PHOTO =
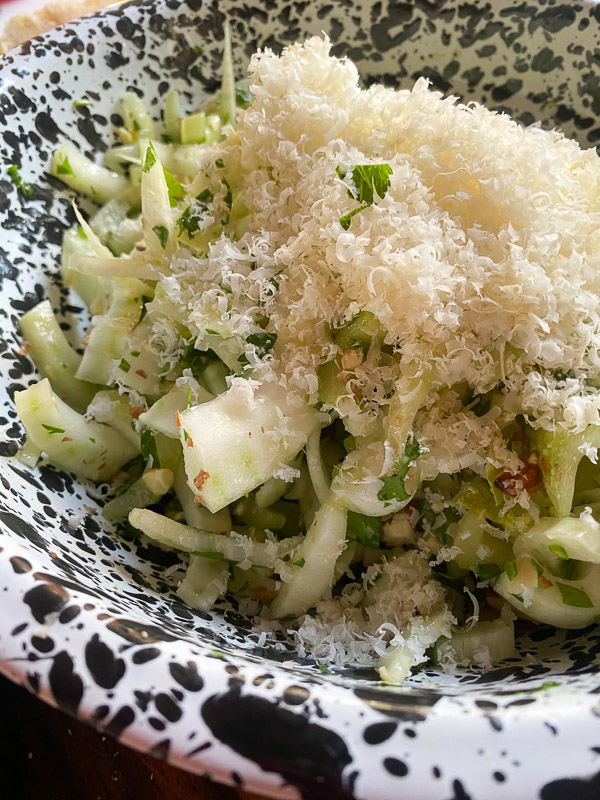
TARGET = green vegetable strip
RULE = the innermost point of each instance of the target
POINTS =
(192, 540)
(93, 290)
(136, 117)
(89, 449)
(228, 99)
(89, 178)
(316, 468)
(107, 339)
(146, 491)
(205, 581)
(172, 115)
(112, 408)
(54, 357)
(323, 544)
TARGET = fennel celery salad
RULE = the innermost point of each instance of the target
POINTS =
(344, 357)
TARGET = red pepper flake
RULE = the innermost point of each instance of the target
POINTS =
(102, 465)
(528, 478)
(66, 439)
(24, 349)
(178, 419)
(189, 441)
(141, 373)
(545, 582)
(201, 479)
(262, 430)
(249, 434)
(135, 411)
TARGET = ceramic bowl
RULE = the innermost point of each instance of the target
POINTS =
(90, 622)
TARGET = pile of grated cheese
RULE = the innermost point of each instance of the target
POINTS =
(482, 263)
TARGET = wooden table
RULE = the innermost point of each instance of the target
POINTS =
(46, 755)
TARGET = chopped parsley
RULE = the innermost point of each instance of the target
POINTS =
(205, 197)
(369, 180)
(162, 234)
(572, 596)
(219, 163)
(511, 570)
(148, 447)
(80, 103)
(176, 190)
(51, 429)
(243, 96)
(150, 159)
(125, 366)
(488, 571)
(263, 341)
(26, 189)
(300, 563)
(393, 486)
(365, 530)
(559, 551)
(64, 168)
(188, 223)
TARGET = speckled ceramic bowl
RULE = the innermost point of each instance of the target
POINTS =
(90, 622)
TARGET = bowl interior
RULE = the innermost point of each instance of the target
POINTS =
(60, 560)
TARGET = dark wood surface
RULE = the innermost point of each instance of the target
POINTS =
(47, 755)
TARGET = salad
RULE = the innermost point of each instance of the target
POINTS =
(343, 356)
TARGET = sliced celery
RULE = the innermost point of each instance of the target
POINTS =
(88, 178)
(234, 547)
(113, 409)
(228, 103)
(157, 217)
(315, 563)
(146, 491)
(108, 338)
(205, 581)
(196, 515)
(173, 115)
(54, 357)
(115, 228)
(93, 290)
(484, 643)
(200, 128)
(135, 116)
(87, 448)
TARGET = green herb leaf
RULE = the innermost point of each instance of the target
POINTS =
(228, 199)
(148, 447)
(219, 163)
(370, 178)
(162, 234)
(150, 159)
(176, 190)
(135, 353)
(511, 570)
(51, 429)
(572, 596)
(188, 401)
(188, 223)
(80, 103)
(427, 513)
(393, 486)
(300, 563)
(366, 530)
(124, 365)
(26, 189)
(205, 197)
(347, 218)
(559, 551)
(263, 341)
(243, 96)
(488, 571)
(64, 168)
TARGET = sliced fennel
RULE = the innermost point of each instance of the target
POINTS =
(89, 449)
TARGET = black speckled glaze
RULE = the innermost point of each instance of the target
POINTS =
(91, 622)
